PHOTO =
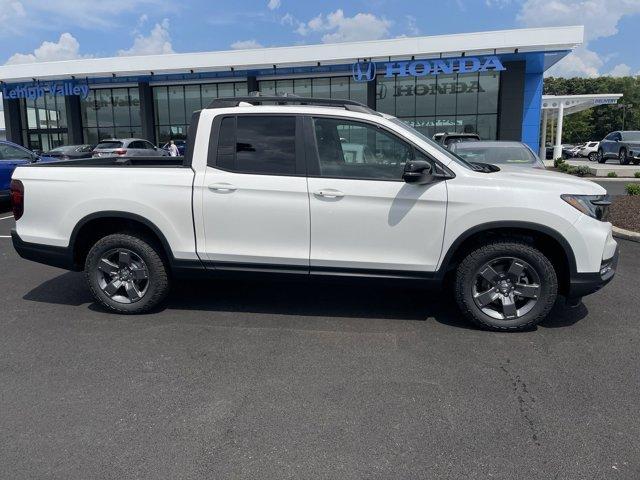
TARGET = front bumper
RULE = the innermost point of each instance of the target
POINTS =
(61, 257)
(582, 284)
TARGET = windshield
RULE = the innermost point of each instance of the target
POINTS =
(459, 160)
(632, 136)
(496, 154)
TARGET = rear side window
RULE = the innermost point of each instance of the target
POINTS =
(257, 144)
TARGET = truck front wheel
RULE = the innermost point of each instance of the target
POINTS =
(506, 285)
(126, 273)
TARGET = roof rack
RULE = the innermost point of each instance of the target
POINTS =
(289, 99)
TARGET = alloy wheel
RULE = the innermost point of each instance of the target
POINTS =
(506, 288)
(123, 275)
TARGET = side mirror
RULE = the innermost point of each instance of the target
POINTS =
(418, 171)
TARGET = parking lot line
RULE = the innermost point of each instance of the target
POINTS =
(5, 218)
(5, 236)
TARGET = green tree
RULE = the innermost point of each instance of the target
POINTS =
(595, 123)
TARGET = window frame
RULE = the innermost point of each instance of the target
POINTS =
(299, 156)
(313, 157)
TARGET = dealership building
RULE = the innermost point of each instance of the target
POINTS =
(487, 82)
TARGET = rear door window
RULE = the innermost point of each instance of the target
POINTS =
(257, 144)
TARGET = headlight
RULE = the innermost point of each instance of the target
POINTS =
(596, 206)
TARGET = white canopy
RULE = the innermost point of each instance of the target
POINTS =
(555, 107)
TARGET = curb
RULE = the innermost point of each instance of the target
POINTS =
(626, 234)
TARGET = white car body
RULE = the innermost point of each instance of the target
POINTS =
(588, 148)
(217, 218)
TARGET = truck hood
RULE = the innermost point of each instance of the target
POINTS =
(548, 181)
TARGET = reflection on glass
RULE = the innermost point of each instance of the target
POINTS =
(340, 88)
(404, 92)
(241, 89)
(489, 84)
(209, 93)
(161, 104)
(192, 99)
(358, 91)
(302, 87)
(284, 86)
(446, 96)
(385, 100)
(176, 104)
(321, 88)
(487, 126)
(467, 91)
(425, 92)
(225, 90)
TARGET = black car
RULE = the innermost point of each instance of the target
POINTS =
(623, 146)
(71, 152)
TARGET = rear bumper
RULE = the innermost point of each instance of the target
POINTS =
(61, 257)
(582, 284)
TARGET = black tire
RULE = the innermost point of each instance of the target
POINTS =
(636, 162)
(622, 156)
(601, 158)
(468, 274)
(147, 260)
(593, 156)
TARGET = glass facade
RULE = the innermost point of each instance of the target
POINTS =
(333, 87)
(443, 103)
(432, 104)
(174, 105)
(44, 122)
(111, 112)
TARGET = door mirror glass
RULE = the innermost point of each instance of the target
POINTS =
(418, 171)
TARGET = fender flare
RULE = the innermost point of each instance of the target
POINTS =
(487, 227)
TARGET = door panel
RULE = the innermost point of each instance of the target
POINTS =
(255, 218)
(363, 216)
(254, 195)
(377, 224)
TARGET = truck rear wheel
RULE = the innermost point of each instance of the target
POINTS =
(126, 273)
(506, 285)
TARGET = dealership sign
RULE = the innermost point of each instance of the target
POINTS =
(32, 92)
(366, 71)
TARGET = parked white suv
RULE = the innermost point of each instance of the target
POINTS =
(269, 188)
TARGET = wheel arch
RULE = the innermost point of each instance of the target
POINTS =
(548, 240)
(98, 224)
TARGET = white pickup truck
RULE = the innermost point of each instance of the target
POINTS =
(265, 186)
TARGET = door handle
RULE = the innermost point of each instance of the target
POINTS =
(222, 187)
(329, 193)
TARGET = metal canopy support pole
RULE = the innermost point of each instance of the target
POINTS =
(543, 139)
(557, 149)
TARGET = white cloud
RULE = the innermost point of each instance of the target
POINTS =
(620, 70)
(246, 45)
(157, 42)
(273, 4)
(66, 48)
(599, 17)
(10, 9)
(412, 25)
(338, 28)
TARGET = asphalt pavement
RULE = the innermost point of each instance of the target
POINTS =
(303, 380)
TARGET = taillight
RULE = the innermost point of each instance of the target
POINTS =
(17, 198)
(120, 151)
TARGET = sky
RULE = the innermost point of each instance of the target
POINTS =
(48, 30)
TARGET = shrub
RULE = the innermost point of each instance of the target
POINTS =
(612, 175)
(581, 171)
(633, 188)
(557, 162)
(637, 174)
(564, 167)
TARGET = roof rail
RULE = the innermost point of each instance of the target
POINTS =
(288, 99)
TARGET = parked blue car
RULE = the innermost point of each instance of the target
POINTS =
(11, 156)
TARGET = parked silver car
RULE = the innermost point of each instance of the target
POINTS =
(130, 147)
